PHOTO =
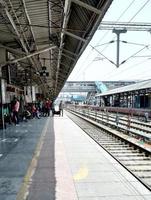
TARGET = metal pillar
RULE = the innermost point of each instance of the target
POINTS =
(132, 100)
(2, 89)
(127, 100)
(118, 32)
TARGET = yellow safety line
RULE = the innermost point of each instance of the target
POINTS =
(23, 191)
(82, 173)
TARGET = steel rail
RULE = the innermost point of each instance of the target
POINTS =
(123, 127)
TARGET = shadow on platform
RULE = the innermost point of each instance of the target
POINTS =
(17, 148)
(43, 181)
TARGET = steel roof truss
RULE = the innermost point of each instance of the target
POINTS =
(12, 50)
(13, 25)
(56, 4)
(71, 58)
(28, 18)
(67, 51)
(30, 55)
(21, 30)
(74, 36)
(65, 21)
(88, 7)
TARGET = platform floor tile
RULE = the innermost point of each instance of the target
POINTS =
(95, 174)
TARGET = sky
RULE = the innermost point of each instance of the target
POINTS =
(94, 66)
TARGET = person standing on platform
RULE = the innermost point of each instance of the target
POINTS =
(48, 107)
(61, 108)
(15, 111)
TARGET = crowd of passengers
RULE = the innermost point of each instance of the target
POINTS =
(37, 110)
(18, 112)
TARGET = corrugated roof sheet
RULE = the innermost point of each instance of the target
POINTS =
(39, 24)
(137, 86)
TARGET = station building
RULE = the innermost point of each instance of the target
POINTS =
(137, 95)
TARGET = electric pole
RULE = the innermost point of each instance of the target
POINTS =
(118, 32)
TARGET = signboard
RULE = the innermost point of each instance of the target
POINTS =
(33, 93)
(30, 94)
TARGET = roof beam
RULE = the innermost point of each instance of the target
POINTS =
(20, 36)
(98, 21)
(67, 6)
(30, 55)
(37, 52)
(28, 18)
(74, 36)
(5, 8)
(13, 50)
(71, 58)
(67, 51)
(87, 6)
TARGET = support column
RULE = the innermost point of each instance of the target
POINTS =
(2, 58)
(127, 100)
(132, 100)
(118, 32)
(2, 88)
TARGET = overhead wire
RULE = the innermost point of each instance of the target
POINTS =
(129, 67)
(108, 31)
(144, 46)
(138, 44)
(145, 77)
(133, 55)
(94, 48)
(112, 73)
(141, 73)
(139, 10)
(134, 43)
(100, 53)
(126, 69)
(79, 71)
(143, 56)
(103, 55)
(132, 17)
(117, 21)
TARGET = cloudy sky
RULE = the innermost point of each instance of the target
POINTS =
(94, 66)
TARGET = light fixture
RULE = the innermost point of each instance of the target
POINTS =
(43, 71)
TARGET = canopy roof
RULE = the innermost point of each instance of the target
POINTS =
(129, 88)
(51, 33)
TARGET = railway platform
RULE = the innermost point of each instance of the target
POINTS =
(53, 159)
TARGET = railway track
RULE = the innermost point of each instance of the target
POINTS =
(125, 124)
(134, 158)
